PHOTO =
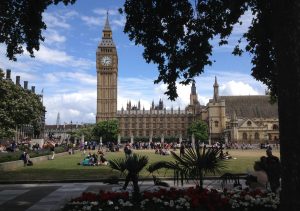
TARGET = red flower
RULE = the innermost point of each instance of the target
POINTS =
(195, 202)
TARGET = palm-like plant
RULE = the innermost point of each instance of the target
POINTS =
(131, 166)
(193, 165)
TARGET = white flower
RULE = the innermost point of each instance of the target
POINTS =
(187, 204)
(116, 207)
(166, 203)
(247, 197)
(87, 208)
(171, 203)
(110, 202)
(178, 207)
(95, 203)
(129, 204)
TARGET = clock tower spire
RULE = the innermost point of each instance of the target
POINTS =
(107, 75)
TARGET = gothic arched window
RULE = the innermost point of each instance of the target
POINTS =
(244, 136)
(275, 127)
(256, 136)
(216, 124)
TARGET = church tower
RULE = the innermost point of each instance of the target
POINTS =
(193, 95)
(107, 76)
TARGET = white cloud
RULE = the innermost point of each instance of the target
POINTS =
(78, 107)
(102, 11)
(57, 57)
(72, 76)
(54, 20)
(92, 21)
(52, 36)
(237, 88)
(116, 20)
(70, 14)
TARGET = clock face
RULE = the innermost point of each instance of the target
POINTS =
(106, 60)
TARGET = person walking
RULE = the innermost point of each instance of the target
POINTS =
(182, 150)
(272, 165)
(52, 149)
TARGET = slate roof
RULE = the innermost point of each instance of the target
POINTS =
(253, 106)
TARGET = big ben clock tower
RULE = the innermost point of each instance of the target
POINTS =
(107, 76)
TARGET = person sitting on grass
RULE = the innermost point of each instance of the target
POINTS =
(102, 160)
(227, 155)
(23, 157)
(87, 161)
(100, 152)
(26, 159)
(29, 162)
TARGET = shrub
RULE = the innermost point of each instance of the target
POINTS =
(13, 156)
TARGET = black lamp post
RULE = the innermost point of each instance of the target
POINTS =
(71, 131)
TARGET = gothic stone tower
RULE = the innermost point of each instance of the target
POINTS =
(107, 76)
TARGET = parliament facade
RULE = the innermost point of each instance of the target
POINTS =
(242, 119)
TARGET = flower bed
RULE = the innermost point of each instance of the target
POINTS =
(177, 199)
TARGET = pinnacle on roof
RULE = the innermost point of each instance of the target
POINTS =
(193, 89)
(216, 82)
(107, 26)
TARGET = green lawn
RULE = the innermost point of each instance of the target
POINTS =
(64, 168)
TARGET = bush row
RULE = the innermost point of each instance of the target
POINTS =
(13, 156)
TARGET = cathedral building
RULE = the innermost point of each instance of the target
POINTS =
(242, 119)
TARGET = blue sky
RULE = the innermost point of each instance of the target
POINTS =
(65, 66)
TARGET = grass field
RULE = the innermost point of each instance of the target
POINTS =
(66, 168)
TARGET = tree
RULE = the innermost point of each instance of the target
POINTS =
(21, 24)
(108, 130)
(175, 35)
(199, 129)
(87, 131)
(131, 165)
(193, 165)
(18, 107)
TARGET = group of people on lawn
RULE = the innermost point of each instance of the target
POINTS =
(94, 160)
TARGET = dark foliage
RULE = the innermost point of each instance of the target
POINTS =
(21, 24)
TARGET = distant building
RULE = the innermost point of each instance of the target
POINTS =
(61, 132)
(242, 119)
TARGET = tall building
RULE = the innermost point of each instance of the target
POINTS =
(244, 119)
(107, 76)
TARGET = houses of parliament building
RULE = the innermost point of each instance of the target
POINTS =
(242, 119)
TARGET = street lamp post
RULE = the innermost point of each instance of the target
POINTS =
(71, 129)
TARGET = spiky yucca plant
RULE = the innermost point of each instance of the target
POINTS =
(193, 165)
(131, 166)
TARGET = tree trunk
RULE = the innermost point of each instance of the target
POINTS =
(135, 182)
(287, 40)
(127, 180)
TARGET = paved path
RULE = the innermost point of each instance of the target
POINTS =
(50, 197)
